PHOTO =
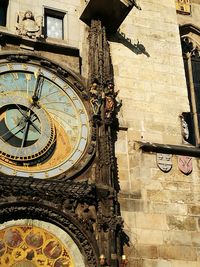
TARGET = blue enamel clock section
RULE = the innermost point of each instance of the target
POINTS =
(45, 137)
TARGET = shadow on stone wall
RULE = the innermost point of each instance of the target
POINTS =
(137, 48)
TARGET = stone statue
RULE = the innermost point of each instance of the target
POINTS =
(95, 98)
(87, 213)
(184, 128)
(28, 26)
(110, 100)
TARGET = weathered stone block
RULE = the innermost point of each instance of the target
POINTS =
(195, 236)
(151, 221)
(181, 197)
(169, 208)
(181, 263)
(147, 251)
(158, 195)
(121, 144)
(194, 210)
(181, 223)
(150, 237)
(136, 262)
(157, 263)
(177, 238)
(132, 205)
(177, 252)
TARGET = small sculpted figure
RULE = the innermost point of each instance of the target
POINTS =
(95, 98)
(109, 100)
(184, 129)
(29, 26)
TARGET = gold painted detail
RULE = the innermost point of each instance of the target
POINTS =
(43, 132)
(31, 246)
(183, 6)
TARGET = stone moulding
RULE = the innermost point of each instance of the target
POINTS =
(38, 44)
(49, 190)
(190, 37)
(170, 149)
(112, 13)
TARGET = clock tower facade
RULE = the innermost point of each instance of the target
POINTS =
(99, 133)
(58, 124)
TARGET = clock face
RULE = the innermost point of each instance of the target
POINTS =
(44, 128)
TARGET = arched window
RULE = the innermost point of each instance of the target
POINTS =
(190, 38)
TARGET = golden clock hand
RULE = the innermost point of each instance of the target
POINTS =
(38, 89)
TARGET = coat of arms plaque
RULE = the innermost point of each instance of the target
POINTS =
(185, 164)
(164, 162)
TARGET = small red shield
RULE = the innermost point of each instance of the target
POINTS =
(185, 164)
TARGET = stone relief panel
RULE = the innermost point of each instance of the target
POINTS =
(28, 25)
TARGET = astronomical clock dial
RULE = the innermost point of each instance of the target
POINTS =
(44, 128)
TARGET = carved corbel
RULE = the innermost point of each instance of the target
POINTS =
(190, 46)
(87, 214)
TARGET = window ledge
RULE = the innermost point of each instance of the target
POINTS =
(38, 44)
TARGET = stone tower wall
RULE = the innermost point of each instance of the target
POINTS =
(161, 210)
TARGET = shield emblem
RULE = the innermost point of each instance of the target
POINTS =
(185, 164)
(164, 162)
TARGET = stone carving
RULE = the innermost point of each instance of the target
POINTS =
(101, 73)
(56, 192)
(111, 223)
(68, 205)
(164, 162)
(190, 45)
(110, 102)
(29, 26)
(87, 214)
(185, 164)
(95, 98)
(100, 66)
(18, 58)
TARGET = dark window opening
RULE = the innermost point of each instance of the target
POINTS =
(193, 101)
(54, 26)
(196, 81)
(3, 12)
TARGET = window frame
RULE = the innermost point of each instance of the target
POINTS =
(191, 56)
(4, 5)
(54, 13)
